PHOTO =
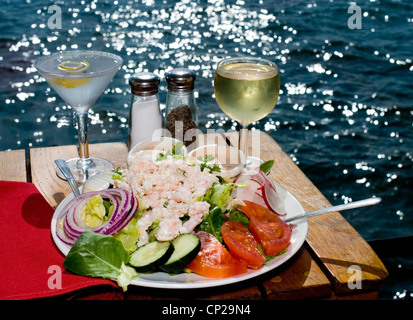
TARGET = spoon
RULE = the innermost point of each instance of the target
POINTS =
(340, 207)
(61, 164)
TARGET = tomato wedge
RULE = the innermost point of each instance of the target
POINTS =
(242, 244)
(271, 232)
(214, 260)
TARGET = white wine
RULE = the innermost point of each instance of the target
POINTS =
(246, 91)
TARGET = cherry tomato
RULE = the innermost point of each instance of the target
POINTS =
(242, 244)
(271, 232)
(214, 260)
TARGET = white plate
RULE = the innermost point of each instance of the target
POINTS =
(192, 280)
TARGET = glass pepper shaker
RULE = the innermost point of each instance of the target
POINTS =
(145, 119)
(181, 110)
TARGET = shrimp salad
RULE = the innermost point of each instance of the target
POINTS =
(168, 207)
(170, 195)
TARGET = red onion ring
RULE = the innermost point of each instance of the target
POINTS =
(125, 206)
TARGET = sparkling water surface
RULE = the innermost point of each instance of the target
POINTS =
(344, 114)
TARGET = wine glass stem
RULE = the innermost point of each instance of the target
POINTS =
(243, 140)
(85, 161)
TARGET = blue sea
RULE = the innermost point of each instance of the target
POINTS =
(345, 111)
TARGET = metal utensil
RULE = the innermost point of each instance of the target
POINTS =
(61, 164)
(341, 207)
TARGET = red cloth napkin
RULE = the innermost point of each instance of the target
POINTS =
(31, 266)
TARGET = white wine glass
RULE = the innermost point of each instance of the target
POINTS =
(246, 89)
(79, 77)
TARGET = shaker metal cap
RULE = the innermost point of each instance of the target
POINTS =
(180, 80)
(144, 83)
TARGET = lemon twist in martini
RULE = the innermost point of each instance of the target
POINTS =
(79, 77)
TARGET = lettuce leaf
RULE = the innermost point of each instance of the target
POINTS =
(212, 222)
(220, 195)
(237, 215)
(93, 212)
(99, 255)
(153, 229)
(129, 236)
(126, 275)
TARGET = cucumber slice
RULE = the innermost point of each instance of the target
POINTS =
(151, 255)
(186, 247)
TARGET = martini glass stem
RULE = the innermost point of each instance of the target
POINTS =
(84, 162)
(243, 140)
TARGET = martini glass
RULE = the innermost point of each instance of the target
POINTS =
(246, 89)
(79, 77)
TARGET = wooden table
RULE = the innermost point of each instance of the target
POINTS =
(333, 256)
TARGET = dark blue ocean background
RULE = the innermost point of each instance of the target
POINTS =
(345, 112)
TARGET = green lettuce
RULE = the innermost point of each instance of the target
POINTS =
(220, 195)
(153, 229)
(129, 236)
(94, 212)
(239, 216)
(212, 222)
(98, 255)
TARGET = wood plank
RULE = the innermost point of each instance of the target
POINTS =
(43, 168)
(331, 238)
(300, 278)
(13, 165)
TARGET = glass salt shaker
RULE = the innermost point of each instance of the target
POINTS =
(181, 110)
(145, 119)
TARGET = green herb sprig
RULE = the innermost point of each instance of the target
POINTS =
(204, 160)
(117, 174)
(174, 152)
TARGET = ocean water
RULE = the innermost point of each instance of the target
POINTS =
(345, 111)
